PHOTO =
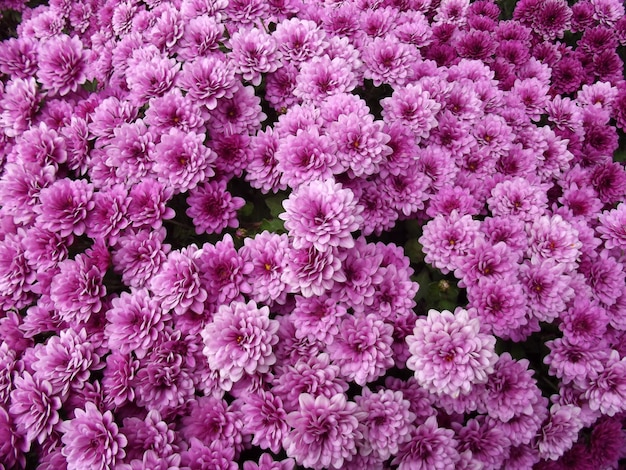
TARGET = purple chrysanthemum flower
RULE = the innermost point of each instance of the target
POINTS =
(150, 74)
(16, 276)
(139, 255)
(240, 339)
(317, 318)
(362, 348)
(77, 289)
(18, 105)
(148, 204)
(199, 456)
(201, 35)
(181, 160)
(559, 431)
(430, 446)
(254, 52)
(547, 288)
(447, 238)
(262, 171)
(64, 206)
(177, 285)
(207, 79)
(321, 77)
(109, 215)
(267, 253)
(264, 416)
(173, 110)
(13, 446)
(449, 354)
(150, 434)
(134, 322)
(518, 197)
(388, 422)
(312, 272)
(554, 238)
(34, 407)
(92, 440)
(62, 64)
(325, 431)
(322, 214)
(487, 442)
(242, 113)
(20, 189)
(18, 57)
(414, 107)
(119, 379)
(388, 61)
(485, 261)
(607, 391)
(299, 40)
(130, 151)
(212, 208)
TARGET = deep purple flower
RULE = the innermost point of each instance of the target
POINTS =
(64, 206)
(388, 422)
(239, 340)
(62, 64)
(325, 431)
(449, 354)
(430, 447)
(91, 439)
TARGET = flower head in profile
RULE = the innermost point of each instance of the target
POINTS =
(322, 214)
(92, 440)
(449, 354)
(240, 339)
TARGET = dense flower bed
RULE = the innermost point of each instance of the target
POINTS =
(277, 234)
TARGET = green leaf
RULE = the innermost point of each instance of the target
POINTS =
(275, 204)
(272, 225)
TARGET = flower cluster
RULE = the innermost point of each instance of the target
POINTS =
(363, 234)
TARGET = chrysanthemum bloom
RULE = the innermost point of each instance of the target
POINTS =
(585, 321)
(41, 145)
(18, 105)
(150, 434)
(119, 379)
(518, 197)
(449, 354)
(177, 285)
(201, 36)
(362, 270)
(139, 254)
(173, 110)
(242, 113)
(609, 180)
(64, 206)
(279, 87)
(362, 349)
(606, 442)
(312, 272)
(20, 189)
(388, 422)
(267, 253)
(207, 79)
(430, 446)
(130, 150)
(485, 260)
(559, 432)
(182, 161)
(447, 238)
(254, 52)
(224, 272)
(306, 156)
(16, 276)
(607, 391)
(13, 445)
(212, 420)
(322, 214)
(414, 107)
(109, 215)
(240, 339)
(233, 153)
(321, 77)
(554, 238)
(299, 40)
(134, 322)
(18, 57)
(612, 227)
(264, 416)
(148, 204)
(388, 61)
(325, 431)
(262, 170)
(267, 462)
(150, 74)
(486, 441)
(312, 374)
(547, 288)
(199, 456)
(361, 144)
(91, 440)
(62, 64)
(212, 208)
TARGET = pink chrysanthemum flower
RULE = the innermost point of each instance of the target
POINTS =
(13, 445)
(118, 380)
(212, 208)
(92, 440)
(321, 77)
(139, 254)
(607, 391)
(109, 215)
(64, 206)
(559, 432)
(16, 276)
(299, 40)
(318, 318)
(414, 107)
(62, 64)
(20, 189)
(388, 61)
(612, 227)
(66, 360)
(34, 407)
(18, 105)
(148, 201)
(264, 416)
(150, 75)
(254, 52)
(150, 434)
(554, 238)
(449, 354)
(18, 57)
(201, 37)
(174, 110)
(325, 431)
(207, 79)
(388, 422)
(429, 446)
(181, 160)
(177, 285)
(322, 214)
(240, 339)
(199, 456)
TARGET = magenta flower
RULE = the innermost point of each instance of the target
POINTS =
(264, 416)
(254, 52)
(449, 354)
(312, 272)
(62, 64)
(64, 206)
(212, 208)
(92, 440)
(607, 391)
(18, 104)
(322, 214)
(34, 407)
(612, 227)
(414, 107)
(119, 379)
(559, 432)
(240, 339)
(325, 431)
(206, 79)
